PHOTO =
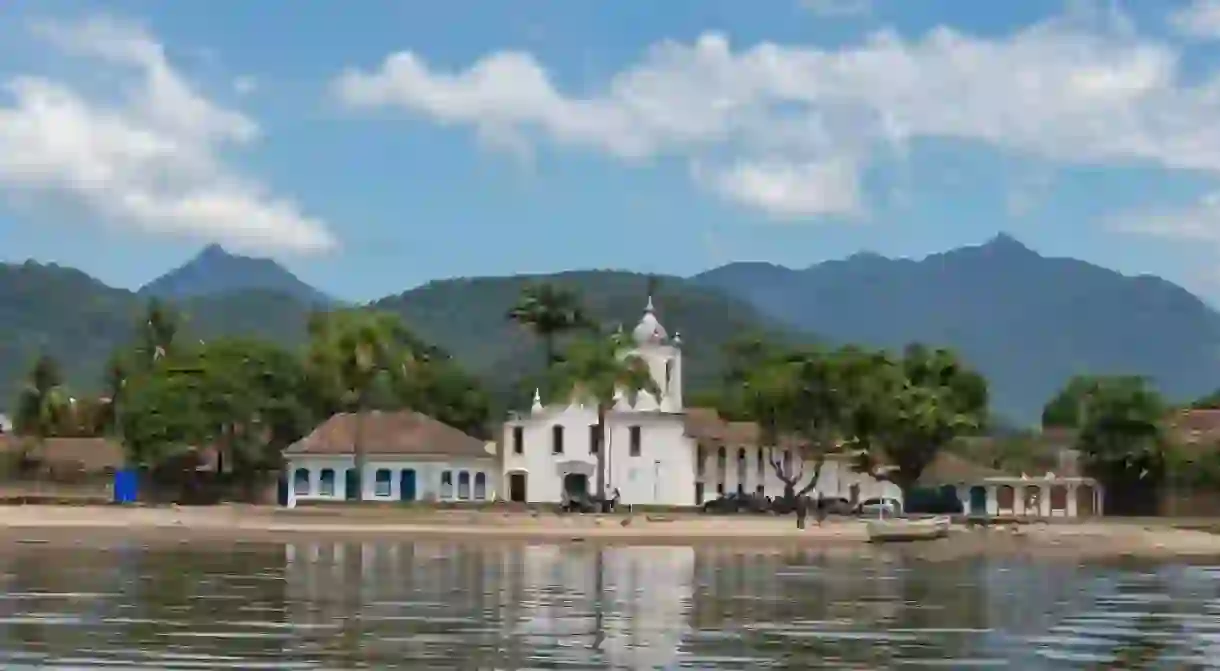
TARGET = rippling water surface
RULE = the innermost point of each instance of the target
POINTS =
(435, 606)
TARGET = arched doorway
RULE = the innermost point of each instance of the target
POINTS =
(949, 498)
(576, 484)
(406, 484)
(978, 500)
(1086, 501)
(1006, 499)
(517, 487)
(1033, 500)
(1059, 499)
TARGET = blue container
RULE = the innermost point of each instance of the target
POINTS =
(126, 485)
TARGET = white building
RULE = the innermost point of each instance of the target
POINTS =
(407, 457)
(658, 452)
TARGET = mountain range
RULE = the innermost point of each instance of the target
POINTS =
(215, 271)
(1026, 321)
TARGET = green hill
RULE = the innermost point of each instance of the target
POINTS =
(466, 317)
(1026, 321)
(80, 321)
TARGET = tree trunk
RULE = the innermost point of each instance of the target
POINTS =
(358, 449)
(601, 451)
(817, 475)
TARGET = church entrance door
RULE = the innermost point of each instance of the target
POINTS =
(576, 485)
(516, 487)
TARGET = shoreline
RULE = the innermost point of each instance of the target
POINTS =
(92, 526)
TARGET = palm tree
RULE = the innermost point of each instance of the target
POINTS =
(599, 369)
(349, 353)
(114, 382)
(43, 401)
(156, 332)
(549, 311)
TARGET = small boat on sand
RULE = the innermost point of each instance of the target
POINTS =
(897, 529)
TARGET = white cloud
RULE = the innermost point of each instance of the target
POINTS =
(1197, 222)
(153, 158)
(1200, 20)
(836, 8)
(1083, 88)
(786, 190)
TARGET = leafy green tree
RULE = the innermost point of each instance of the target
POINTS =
(598, 369)
(744, 356)
(935, 400)
(912, 409)
(440, 389)
(256, 395)
(164, 416)
(869, 382)
(114, 386)
(156, 333)
(352, 356)
(1122, 436)
(796, 398)
(245, 397)
(886, 411)
(769, 397)
(1063, 410)
(549, 311)
(43, 403)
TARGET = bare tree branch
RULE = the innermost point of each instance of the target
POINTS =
(786, 478)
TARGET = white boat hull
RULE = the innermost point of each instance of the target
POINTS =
(893, 530)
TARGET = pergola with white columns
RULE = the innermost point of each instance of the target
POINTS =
(1046, 496)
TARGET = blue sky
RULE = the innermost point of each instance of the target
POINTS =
(374, 145)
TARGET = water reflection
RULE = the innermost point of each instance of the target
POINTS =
(434, 605)
(617, 607)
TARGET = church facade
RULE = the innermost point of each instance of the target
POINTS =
(658, 452)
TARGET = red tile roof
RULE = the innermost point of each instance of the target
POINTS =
(403, 432)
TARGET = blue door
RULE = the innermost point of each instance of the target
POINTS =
(406, 484)
(978, 500)
(351, 485)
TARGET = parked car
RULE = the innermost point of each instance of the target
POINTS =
(737, 503)
(878, 507)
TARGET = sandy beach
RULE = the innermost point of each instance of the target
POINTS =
(85, 524)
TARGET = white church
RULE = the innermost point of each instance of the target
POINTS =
(658, 452)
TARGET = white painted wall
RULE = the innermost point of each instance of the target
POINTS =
(746, 475)
(1043, 507)
(667, 469)
(428, 478)
(661, 474)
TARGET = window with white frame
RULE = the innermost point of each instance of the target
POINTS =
(382, 482)
(300, 482)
